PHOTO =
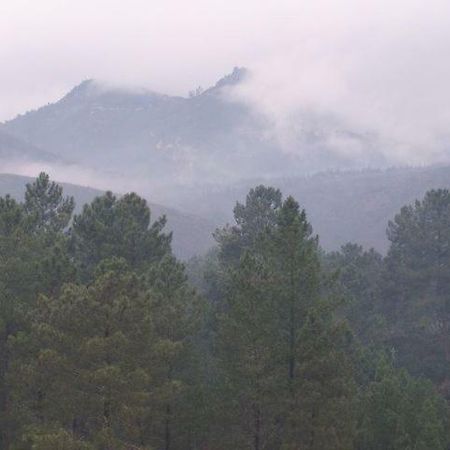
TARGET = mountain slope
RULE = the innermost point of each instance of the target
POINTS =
(191, 234)
(15, 149)
(167, 140)
(342, 206)
(201, 153)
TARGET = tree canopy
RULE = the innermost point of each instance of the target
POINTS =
(108, 342)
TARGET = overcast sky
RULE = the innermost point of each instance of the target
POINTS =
(383, 65)
(47, 46)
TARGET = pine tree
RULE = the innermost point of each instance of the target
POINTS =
(359, 275)
(45, 206)
(253, 220)
(295, 255)
(320, 412)
(319, 389)
(284, 352)
(399, 412)
(248, 352)
(175, 312)
(119, 352)
(83, 367)
(417, 286)
(34, 260)
(244, 326)
(118, 227)
(104, 345)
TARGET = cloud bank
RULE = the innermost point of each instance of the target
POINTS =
(374, 67)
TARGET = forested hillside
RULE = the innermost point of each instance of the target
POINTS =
(342, 205)
(200, 153)
(270, 343)
(192, 234)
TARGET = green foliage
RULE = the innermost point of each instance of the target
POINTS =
(87, 346)
(417, 290)
(176, 314)
(11, 216)
(257, 217)
(359, 275)
(105, 345)
(118, 227)
(248, 353)
(33, 259)
(399, 412)
(322, 405)
(55, 439)
(45, 207)
(286, 380)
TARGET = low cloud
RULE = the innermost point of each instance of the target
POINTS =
(381, 73)
(373, 68)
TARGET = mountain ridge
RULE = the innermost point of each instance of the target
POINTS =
(163, 139)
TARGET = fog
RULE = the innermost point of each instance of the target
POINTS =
(374, 67)
(83, 176)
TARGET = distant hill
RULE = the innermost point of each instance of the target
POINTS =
(356, 206)
(166, 140)
(192, 235)
(201, 153)
(342, 206)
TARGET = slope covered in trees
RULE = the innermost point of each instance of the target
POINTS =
(342, 206)
(106, 344)
(200, 153)
(192, 234)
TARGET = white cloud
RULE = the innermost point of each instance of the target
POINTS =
(377, 65)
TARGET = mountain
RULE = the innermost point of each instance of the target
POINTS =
(191, 235)
(14, 149)
(163, 140)
(201, 153)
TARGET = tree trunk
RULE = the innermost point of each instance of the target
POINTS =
(257, 433)
(167, 434)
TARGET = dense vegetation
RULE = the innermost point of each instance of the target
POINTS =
(192, 234)
(271, 343)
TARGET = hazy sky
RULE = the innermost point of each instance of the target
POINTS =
(382, 65)
(169, 45)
